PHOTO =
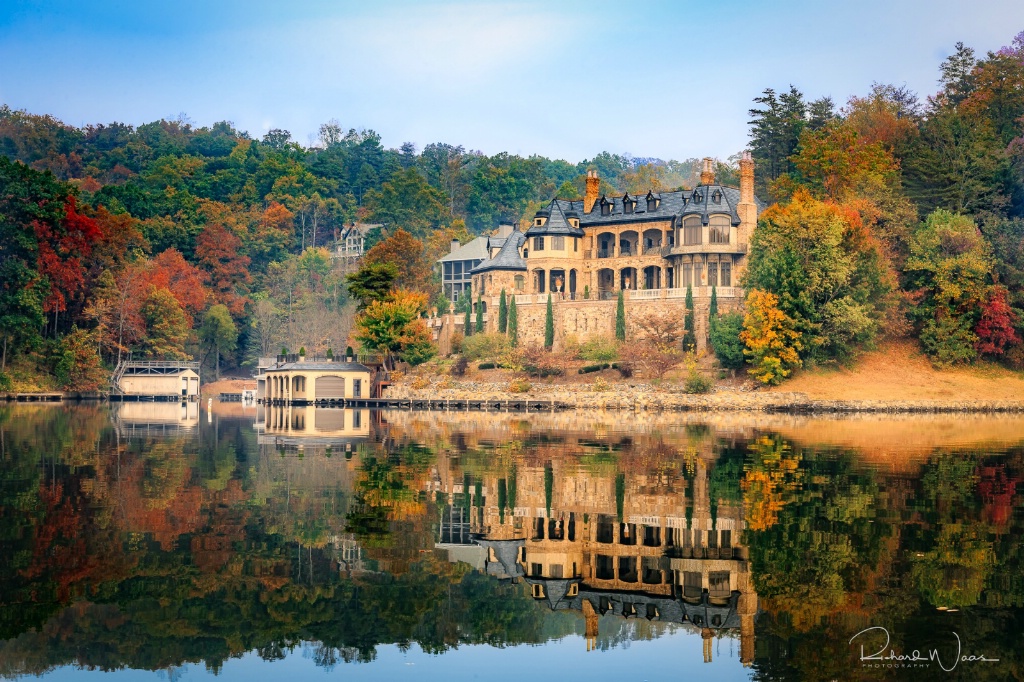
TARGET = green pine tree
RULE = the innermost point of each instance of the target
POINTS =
(689, 323)
(467, 323)
(620, 317)
(549, 326)
(502, 314)
(513, 324)
(479, 314)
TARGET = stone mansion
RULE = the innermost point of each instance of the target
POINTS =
(651, 247)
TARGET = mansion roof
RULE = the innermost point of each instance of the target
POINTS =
(508, 257)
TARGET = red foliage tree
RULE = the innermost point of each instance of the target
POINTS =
(218, 252)
(62, 249)
(187, 283)
(995, 327)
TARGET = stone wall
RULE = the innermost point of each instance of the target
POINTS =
(589, 319)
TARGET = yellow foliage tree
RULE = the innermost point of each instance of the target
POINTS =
(772, 345)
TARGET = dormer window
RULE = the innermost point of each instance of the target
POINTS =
(575, 222)
(652, 202)
(606, 207)
(717, 197)
(698, 197)
(627, 204)
(538, 221)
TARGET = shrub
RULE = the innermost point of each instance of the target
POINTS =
(519, 386)
(457, 339)
(653, 360)
(601, 385)
(593, 368)
(599, 350)
(486, 365)
(6, 384)
(349, 353)
(459, 366)
(420, 382)
(696, 381)
(488, 347)
(330, 354)
(540, 363)
(302, 351)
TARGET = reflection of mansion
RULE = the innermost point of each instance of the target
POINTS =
(651, 247)
(636, 547)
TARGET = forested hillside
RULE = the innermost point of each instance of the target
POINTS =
(894, 214)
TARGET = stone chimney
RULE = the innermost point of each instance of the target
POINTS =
(504, 229)
(593, 185)
(747, 178)
(455, 246)
(707, 176)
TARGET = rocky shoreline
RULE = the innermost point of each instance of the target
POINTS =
(640, 396)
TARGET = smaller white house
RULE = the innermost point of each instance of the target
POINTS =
(158, 378)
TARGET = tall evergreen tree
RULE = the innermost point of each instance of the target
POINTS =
(620, 317)
(689, 325)
(513, 324)
(712, 312)
(479, 314)
(467, 322)
(502, 313)
(549, 325)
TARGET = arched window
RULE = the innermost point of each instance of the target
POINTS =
(718, 232)
(691, 230)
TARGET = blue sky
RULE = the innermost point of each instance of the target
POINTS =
(563, 79)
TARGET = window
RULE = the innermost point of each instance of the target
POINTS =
(687, 275)
(536, 570)
(718, 232)
(697, 197)
(698, 275)
(558, 243)
(556, 571)
(712, 274)
(457, 269)
(718, 584)
(692, 230)
(357, 388)
(357, 419)
(575, 243)
(628, 205)
(447, 270)
(538, 243)
(716, 197)
(606, 208)
(520, 282)
(652, 204)
(725, 274)
(574, 589)
(538, 590)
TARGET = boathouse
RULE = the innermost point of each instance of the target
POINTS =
(296, 380)
(157, 379)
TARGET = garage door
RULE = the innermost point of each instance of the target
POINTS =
(330, 387)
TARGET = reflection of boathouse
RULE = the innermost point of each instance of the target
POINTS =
(154, 419)
(305, 427)
(647, 547)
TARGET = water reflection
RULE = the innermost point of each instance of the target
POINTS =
(151, 538)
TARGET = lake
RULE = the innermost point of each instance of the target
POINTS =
(164, 541)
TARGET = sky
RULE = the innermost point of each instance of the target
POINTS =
(561, 79)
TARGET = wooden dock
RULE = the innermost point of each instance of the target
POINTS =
(525, 405)
(51, 397)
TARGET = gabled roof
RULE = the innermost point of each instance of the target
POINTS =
(669, 204)
(476, 249)
(557, 222)
(507, 258)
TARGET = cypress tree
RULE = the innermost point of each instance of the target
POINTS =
(502, 314)
(712, 311)
(549, 326)
(620, 317)
(479, 314)
(467, 322)
(690, 337)
(513, 324)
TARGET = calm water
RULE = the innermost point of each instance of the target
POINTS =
(158, 541)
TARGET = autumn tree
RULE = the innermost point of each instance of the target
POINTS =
(772, 344)
(372, 282)
(218, 253)
(166, 326)
(406, 254)
(393, 327)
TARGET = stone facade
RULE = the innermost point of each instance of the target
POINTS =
(650, 247)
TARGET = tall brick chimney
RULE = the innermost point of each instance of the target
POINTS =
(707, 176)
(593, 185)
(747, 178)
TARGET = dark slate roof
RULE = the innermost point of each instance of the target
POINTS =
(556, 591)
(507, 554)
(557, 222)
(671, 204)
(320, 366)
(507, 258)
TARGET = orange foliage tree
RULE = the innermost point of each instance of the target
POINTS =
(217, 250)
(772, 344)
